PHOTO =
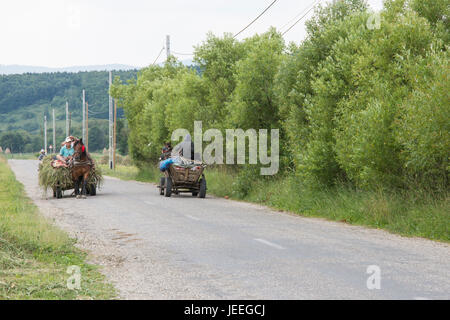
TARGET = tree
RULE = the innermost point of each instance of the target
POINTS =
(253, 104)
(367, 106)
(122, 132)
(15, 141)
(294, 82)
(145, 115)
(424, 129)
(98, 138)
(217, 58)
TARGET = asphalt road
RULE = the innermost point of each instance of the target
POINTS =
(152, 247)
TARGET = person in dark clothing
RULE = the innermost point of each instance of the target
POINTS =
(41, 155)
(166, 151)
(185, 149)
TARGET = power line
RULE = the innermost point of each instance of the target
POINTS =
(303, 11)
(255, 18)
(162, 49)
(90, 106)
(183, 54)
(264, 11)
(300, 18)
(93, 113)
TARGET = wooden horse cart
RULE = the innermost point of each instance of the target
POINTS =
(187, 177)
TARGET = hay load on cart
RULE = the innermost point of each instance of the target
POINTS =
(182, 175)
(59, 178)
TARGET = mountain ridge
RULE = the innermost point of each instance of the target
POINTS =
(21, 69)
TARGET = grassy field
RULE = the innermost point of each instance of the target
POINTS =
(35, 255)
(408, 214)
(132, 173)
(418, 214)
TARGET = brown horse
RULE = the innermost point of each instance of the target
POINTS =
(82, 165)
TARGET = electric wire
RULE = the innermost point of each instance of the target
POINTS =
(255, 19)
(158, 56)
(182, 54)
(303, 11)
(300, 18)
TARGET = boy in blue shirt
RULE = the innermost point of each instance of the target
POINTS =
(66, 150)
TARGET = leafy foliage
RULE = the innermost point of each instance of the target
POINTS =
(19, 141)
(363, 105)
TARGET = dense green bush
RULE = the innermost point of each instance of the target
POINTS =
(253, 103)
(424, 129)
(365, 105)
(377, 64)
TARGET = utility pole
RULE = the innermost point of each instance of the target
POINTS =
(54, 131)
(167, 46)
(70, 123)
(110, 124)
(84, 115)
(115, 131)
(45, 134)
(67, 119)
(87, 127)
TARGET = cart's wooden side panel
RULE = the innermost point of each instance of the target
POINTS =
(181, 175)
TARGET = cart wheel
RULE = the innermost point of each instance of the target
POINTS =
(92, 190)
(202, 192)
(168, 187)
(58, 193)
(162, 182)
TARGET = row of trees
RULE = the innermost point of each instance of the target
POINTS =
(357, 101)
(19, 141)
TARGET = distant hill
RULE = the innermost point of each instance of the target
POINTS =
(26, 98)
(29, 93)
(20, 69)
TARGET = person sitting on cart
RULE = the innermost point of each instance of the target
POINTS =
(186, 146)
(166, 151)
(167, 147)
(66, 151)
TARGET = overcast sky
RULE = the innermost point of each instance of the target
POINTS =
(60, 33)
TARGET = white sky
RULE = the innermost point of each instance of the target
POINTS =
(60, 33)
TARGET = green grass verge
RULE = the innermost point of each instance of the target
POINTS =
(35, 255)
(414, 214)
(408, 214)
(150, 174)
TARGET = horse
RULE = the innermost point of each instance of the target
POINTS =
(81, 168)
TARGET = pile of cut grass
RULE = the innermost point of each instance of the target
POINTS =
(49, 176)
